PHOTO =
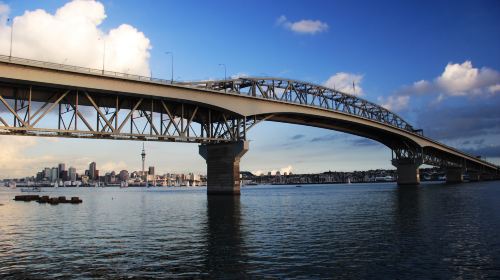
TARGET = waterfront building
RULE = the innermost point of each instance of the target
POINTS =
(62, 168)
(92, 171)
(123, 175)
(46, 173)
(72, 174)
(54, 175)
(85, 179)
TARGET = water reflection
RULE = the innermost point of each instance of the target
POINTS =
(438, 228)
(225, 256)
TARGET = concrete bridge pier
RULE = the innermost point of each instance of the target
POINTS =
(474, 176)
(486, 177)
(454, 175)
(223, 166)
(408, 172)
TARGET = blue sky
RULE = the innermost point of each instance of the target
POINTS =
(387, 45)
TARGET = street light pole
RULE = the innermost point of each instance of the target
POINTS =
(172, 66)
(225, 75)
(11, 33)
(103, 54)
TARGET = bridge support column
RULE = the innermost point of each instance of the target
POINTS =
(223, 166)
(408, 172)
(486, 177)
(474, 177)
(454, 175)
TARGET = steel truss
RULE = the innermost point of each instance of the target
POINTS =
(307, 94)
(408, 153)
(79, 113)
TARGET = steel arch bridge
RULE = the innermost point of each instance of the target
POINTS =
(46, 99)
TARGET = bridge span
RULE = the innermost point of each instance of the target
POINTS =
(53, 100)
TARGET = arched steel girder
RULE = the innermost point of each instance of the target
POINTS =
(303, 93)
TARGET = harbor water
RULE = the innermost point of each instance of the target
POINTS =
(356, 231)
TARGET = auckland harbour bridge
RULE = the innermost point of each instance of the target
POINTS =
(54, 100)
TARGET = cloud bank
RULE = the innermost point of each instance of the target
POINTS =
(72, 36)
(305, 26)
(456, 80)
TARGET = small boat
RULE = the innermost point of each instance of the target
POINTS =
(123, 184)
(32, 189)
(298, 186)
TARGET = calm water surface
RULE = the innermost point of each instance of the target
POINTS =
(376, 231)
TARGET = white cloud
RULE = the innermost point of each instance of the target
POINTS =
(458, 80)
(239, 75)
(394, 102)
(14, 162)
(112, 166)
(344, 82)
(286, 169)
(494, 88)
(72, 36)
(282, 171)
(305, 26)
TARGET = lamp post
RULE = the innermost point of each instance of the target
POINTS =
(11, 34)
(171, 65)
(225, 75)
(103, 52)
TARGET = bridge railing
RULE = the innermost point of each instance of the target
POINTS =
(80, 69)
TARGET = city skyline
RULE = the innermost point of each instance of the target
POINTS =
(448, 88)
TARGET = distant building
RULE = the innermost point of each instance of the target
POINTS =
(62, 168)
(64, 175)
(47, 173)
(72, 174)
(54, 174)
(123, 175)
(92, 171)
(85, 179)
(39, 176)
(151, 170)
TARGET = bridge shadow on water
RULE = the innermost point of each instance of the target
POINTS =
(225, 256)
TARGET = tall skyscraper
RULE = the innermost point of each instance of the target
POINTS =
(151, 170)
(54, 176)
(72, 174)
(92, 170)
(62, 168)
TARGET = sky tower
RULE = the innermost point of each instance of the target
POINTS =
(143, 155)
